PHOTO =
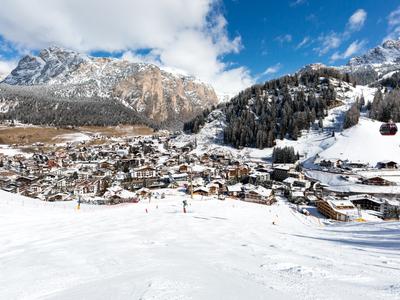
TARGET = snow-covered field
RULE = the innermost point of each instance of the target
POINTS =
(218, 250)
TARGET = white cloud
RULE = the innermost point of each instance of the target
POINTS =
(286, 38)
(304, 42)
(328, 42)
(297, 3)
(394, 24)
(272, 69)
(357, 20)
(188, 35)
(150, 58)
(354, 48)
(333, 40)
(6, 66)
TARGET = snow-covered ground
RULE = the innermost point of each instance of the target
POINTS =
(218, 250)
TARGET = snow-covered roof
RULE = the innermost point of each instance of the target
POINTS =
(197, 168)
(297, 194)
(201, 188)
(365, 196)
(260, 190)
(234, 188)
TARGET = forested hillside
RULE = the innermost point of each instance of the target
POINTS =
(279, 108)
(386, 106)
(34, 105)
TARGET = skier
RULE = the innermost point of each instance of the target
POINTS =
(184, 202)
(79, 203)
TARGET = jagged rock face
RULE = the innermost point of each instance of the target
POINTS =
(387, 53)
(145, 88)
(376, 64)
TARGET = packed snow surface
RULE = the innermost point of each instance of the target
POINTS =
(218, 250)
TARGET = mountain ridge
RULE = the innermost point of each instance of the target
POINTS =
(145, 88)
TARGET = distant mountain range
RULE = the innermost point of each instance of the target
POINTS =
(147, 93)
(63, 87)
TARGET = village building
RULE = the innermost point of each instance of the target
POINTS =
(117, 194)
(340, 210)
(387, 164)
(328, 162)
(281, 171)
(234, 191)
(258, 194)
(293, 182)
(201, 190)
(377, 180)
(367, 202)
(145, 172)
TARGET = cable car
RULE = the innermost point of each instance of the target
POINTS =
(389, 128)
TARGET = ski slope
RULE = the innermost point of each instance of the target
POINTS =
(218, 250)
(364, 143)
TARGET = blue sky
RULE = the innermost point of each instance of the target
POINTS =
(230, 44)
(272, 31)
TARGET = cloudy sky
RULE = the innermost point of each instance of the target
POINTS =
(230, 44)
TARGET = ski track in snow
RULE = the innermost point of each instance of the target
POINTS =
(218, 250)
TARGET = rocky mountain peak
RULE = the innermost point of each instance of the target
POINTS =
(391, 44)
(145, 88)
(312, 67)
(387, 53)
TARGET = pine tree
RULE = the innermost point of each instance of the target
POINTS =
(352, 116)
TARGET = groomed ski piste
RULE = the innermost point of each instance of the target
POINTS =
(218, 250)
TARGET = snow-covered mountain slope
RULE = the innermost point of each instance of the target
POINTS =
(218, 250)
(313, 141)
(144, 88)
(361, 143)
(364, 143)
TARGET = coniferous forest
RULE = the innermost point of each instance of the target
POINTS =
(386, 106)
(279, 108)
